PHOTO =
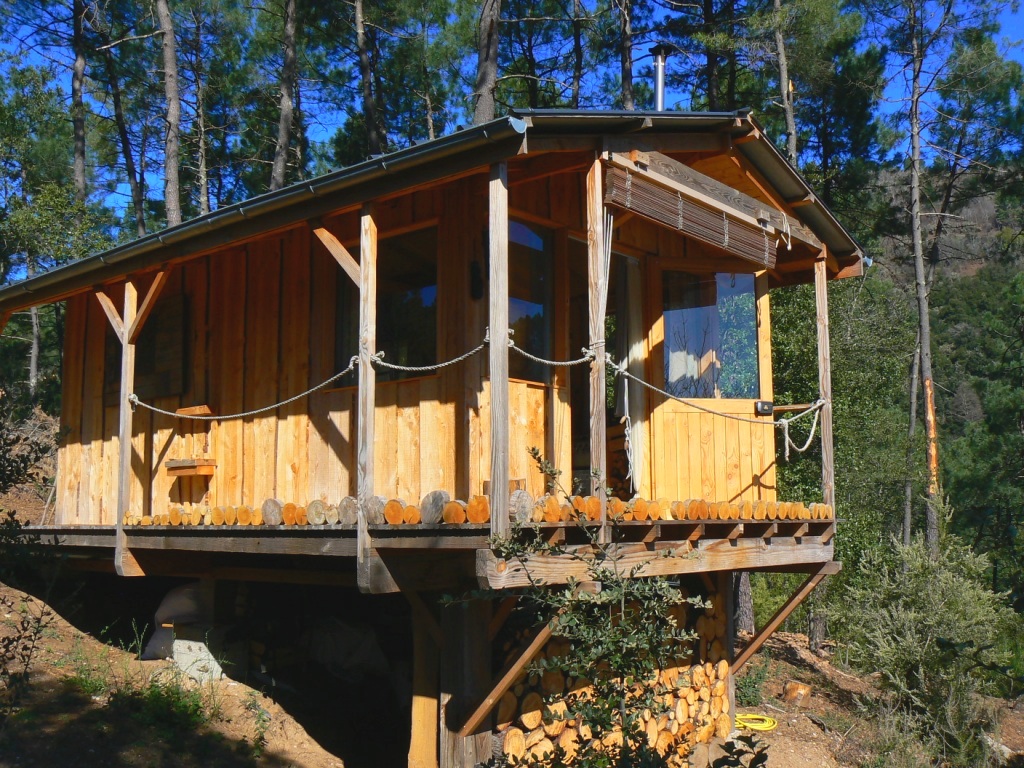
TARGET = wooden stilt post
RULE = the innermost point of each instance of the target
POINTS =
(465, 673)
(828, 482)
(498, 240)
(5, 318)
(726, 581)
(367, 383)
(423, 744)
(597, 280)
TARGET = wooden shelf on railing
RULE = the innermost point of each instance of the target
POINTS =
(190, 467)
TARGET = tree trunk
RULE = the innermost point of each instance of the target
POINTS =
(373, 141)
(286, 113)
(77, 102)
(908, 486)
(577, 51)
(744, 603)
(784, 90)
(172, 92)
(711, 58)
(626, 53)
(487, 62)
(134, 182)
(924, 321)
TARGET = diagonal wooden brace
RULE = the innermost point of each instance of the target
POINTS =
(783, 613)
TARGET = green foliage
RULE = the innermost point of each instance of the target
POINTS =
(750, 685)
(929, 626)
(261, 722)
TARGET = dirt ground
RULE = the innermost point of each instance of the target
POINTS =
(87, 703)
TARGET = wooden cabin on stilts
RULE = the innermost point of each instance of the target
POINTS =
(340, 382)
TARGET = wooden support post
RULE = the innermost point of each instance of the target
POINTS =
(124, 563)
(5, 318)
(726, 580)
(367, 382)
(783, 613)
(828, 477)
(498, 239)
(425, 691)
(598, 280)
(127, 326)
(465, 670)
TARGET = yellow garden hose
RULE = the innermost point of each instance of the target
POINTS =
(756, 722)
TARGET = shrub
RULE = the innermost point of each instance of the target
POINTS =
(929, 625)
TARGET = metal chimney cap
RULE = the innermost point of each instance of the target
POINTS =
(662, 49)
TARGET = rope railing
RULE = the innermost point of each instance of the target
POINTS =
(589, 355)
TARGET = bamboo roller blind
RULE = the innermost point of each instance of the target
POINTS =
(670, 208)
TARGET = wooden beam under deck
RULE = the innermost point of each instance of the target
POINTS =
(664, 559)
(783, 613)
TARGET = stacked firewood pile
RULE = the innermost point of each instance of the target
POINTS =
(691, 705)
(437, 507)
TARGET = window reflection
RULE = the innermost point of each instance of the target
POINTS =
(710, 335)
(530, 278)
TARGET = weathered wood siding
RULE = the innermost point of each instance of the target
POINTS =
(261, 328)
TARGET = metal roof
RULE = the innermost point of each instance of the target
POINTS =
(433, 160)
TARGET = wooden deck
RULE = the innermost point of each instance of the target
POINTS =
(453, 556)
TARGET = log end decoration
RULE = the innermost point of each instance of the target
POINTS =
(288, 511)
(243, 515)
(639, 509)
(331, 514)
(146, 520)
(257, 516)
(394, 512)
(316, 512)
(217, 516)
(273, 512)
(375, 510)
(478, 509)
(454, 512)
(230, 516)
(552, 512)
(520, 506)
(348, 511)
(411, 515)
(592, 505)
(300, 516)
(175, 514)
(432, 507)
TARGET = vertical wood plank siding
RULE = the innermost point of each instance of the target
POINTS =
(261, 327)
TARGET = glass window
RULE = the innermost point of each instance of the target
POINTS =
(710, 335)
(530, 291)
(406, 305)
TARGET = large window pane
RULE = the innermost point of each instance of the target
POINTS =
(530, 278)
(406, 304)
(710, 335)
